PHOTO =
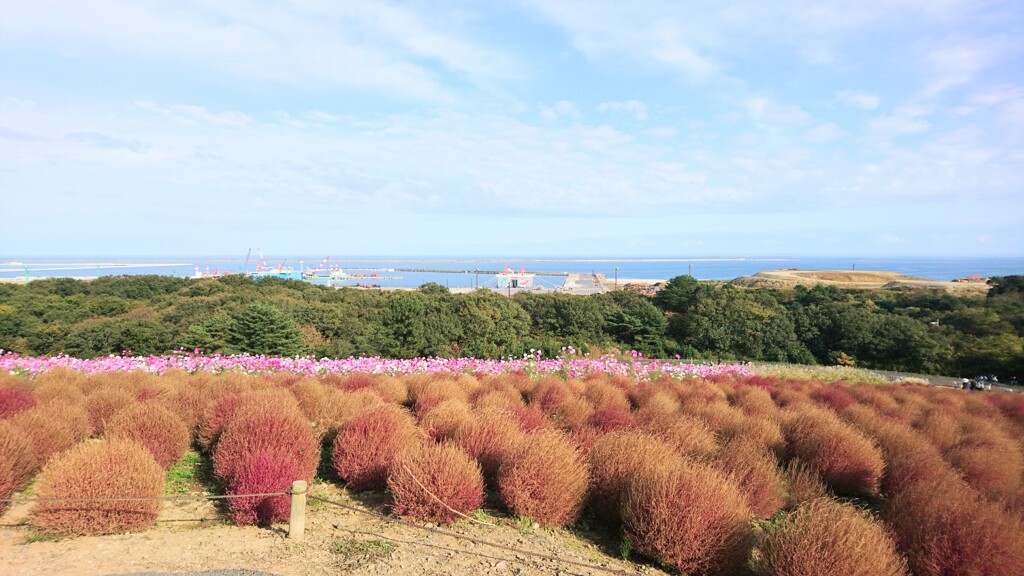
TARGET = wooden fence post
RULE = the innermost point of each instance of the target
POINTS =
(297, 519)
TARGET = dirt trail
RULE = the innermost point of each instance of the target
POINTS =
(190, 536)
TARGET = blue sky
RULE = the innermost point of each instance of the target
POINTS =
(519, 128)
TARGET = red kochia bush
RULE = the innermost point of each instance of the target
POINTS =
(692, 519)
(155, 428)
(102, 404)
(107, 469)
(52, 429)
(260, 473)
(943, 527)
(14, 399)
(544, 478)
(264, 449)
(366, 446)
(845, 459)
(420, 478)
(488, 439)
(757, 475)
(617, 458)
(265, 429)
(16, 461)
(825, 537)
(221, 412)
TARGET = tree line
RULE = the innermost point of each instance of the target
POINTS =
(918, 330)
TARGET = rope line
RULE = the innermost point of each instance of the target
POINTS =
(442, 502)
(144, 499)
(472, 539)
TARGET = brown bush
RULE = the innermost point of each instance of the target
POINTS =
(944, 528)
(544, 478)
(610, 417)
(690, 437)
(846, 460)
(58, 393)
(103, 403)
(105, 469)
(445, 419)
(507, 398)
(16, 461)
(52, 429)
(755, 472)
(429, 484)
(802, 484)
(605, 396)
(825, 537)
(941, 428)
(618, 457)
(753, 401)
(573, 414)
(692, 519)
(550, 394)
(155, 428)
(488, 439)
(366, 447)
(265, 471)
(425, 394)
(765, 433)
(267, 430)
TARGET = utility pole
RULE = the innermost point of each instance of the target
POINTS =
(689, 270)
(616, 277)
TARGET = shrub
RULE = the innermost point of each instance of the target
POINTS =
(690, 437)
(544, 478)
(944, 528)
(611, 417)
(102, 404)
(445, 419)
(221, 411)
(756, 474)
(442, 472)
(845, 459)
(264, 472)
(14, 399)
(834, 398)
(802, 484)
(366, 446)
(573, 414)
(825, 537)
(487, 439)
(618, 457)
(113, 468)
(692, 519)
(266, 430)
(155, 428)
(52, 429)
(16, 461)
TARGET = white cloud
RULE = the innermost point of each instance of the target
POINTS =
(320, 116)
(823, 133)
(766, 111)
(901, 121)
(191, 115)
(859, 99)
(561, 109)
(635, 108)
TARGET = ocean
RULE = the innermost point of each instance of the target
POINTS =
(397, 271)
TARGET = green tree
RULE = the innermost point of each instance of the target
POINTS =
(265, 329)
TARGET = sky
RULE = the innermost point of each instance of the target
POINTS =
(515, 128)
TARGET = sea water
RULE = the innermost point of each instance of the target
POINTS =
(725, 268)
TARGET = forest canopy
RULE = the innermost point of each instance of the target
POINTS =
(915, 330)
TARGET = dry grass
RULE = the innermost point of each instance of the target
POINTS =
(802, 484)
(825, 537)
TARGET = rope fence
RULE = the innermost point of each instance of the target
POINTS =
(296, 524)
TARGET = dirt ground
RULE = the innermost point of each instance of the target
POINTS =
(192, 536)
(867, 279)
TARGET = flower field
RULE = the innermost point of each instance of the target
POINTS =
(703, 469)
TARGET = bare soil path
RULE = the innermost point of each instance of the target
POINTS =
(192, 537)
